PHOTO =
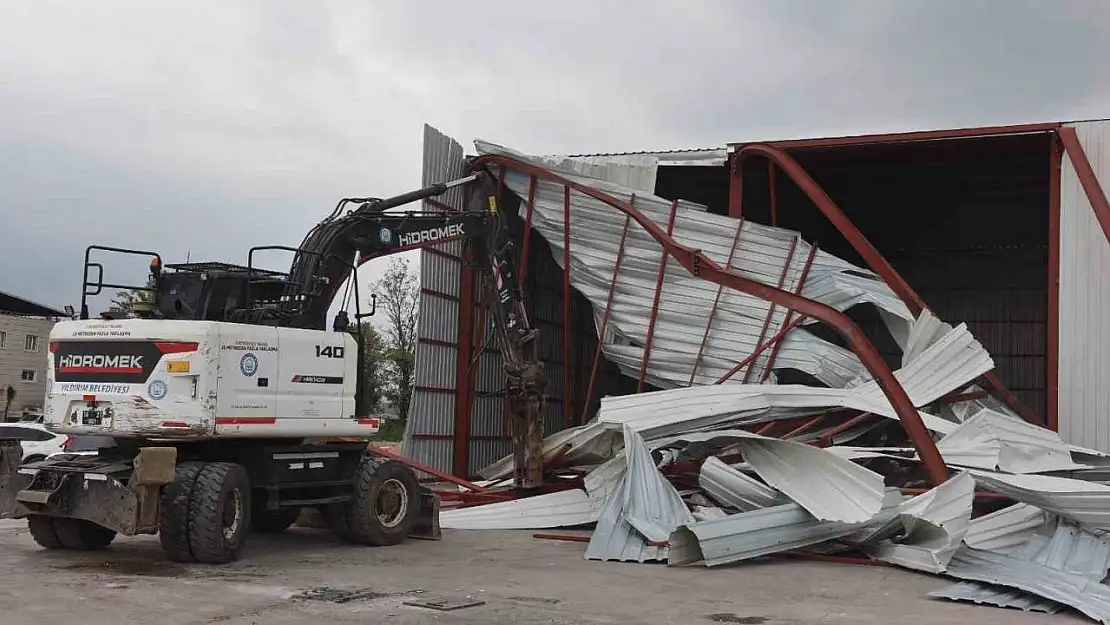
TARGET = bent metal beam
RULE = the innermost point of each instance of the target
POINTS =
(700, 265)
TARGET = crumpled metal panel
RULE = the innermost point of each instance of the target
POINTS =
(992, 440)
(1085, 502)
(644, 508)
(1006, 530)
(761, 253)
(1064, 563)
(828, 487)
(948, 363)
(566, 508)
(733, 488)
(1001, 596)
(761, 532)
(931, 525)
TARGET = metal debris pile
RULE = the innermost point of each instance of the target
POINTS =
(720, 474)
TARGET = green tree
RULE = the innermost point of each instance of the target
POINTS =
(126, 299)
(374, 373)
(398, 300)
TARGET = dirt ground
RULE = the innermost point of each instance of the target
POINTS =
(517, 578)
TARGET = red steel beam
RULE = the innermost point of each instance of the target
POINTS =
(1087, 177)
(655, 301)
(716, 300)
(906, 137)
(605, 315)
(771, 308)
(786, 322)
(864, 248)
(1052, 318)
(566, 307)
(385, 451)
(700, 265)
(759, 350)
(803, 427)
(827, 437)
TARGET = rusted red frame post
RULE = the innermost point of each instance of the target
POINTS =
(383, 451)
(827, 437)
(566, 307)
(605, 315)
(803, 427)
(702, 266)
(716, 301)
(655, 301)
(1052, 313)
(786, 321)
(771, 308)
(762, 348)
(863, 247)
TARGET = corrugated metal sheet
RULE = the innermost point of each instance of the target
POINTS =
(1001, 596)
(432, 413)
(733, 488)
(931, 527)
(1086, 502)
(677, 414)
(992, 440)
(1084, 299)
(644, 508)
(1062, 563)
(762, 253)
(761, 532)
(828, 487)
(566, 508)
(1005, 530)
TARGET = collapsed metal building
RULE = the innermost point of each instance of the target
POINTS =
(1005, 229)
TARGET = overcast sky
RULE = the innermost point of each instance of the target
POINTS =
(206, 128)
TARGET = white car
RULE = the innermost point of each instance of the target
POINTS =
(36, 440)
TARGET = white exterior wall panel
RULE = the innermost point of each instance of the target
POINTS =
(1084, 379)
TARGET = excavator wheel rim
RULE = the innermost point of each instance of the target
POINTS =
(393, 503)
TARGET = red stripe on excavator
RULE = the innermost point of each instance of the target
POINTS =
(246, 420)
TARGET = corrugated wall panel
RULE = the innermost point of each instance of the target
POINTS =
(431, 418)
(1085, 301)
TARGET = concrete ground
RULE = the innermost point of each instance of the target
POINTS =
(521, 580)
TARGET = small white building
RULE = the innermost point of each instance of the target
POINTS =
(24, 332)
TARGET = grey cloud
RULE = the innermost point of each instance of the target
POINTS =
(210, 128)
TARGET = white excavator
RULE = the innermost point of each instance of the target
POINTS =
(234, 404)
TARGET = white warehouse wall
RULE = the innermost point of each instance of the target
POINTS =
(1084, 379)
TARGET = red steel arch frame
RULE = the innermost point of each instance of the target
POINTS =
(1066, 141)
(700, 265)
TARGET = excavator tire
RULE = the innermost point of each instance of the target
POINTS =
(384, 506)
(173, 522)
(42, 530)
(219, 513)
(82, 535)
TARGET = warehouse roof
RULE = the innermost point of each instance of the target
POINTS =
(15, 305)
